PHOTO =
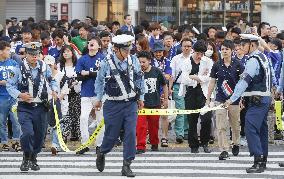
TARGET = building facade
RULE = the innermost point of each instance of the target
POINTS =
(272, 12)
(201, 13)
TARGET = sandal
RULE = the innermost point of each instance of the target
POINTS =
(5, 147)
(164, 142)
(16, 146)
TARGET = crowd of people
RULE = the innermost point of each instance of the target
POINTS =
(115, 69)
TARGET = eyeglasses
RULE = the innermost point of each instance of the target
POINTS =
(186, 46)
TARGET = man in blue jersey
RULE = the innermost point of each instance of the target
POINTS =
(6, 101)
(86, 69)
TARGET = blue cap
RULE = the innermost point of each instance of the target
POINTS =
(158, 46)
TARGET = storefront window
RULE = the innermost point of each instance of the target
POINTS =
(165, 11)
(110, 10)
(204, 13)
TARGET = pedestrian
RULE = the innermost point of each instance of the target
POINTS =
(164, 64)
(86, 69)
(154, 81)
(120, 79)
(194, 87)
(29, 85)
(7, 101)
(72, 105)
(226, 73)
(181, 122)
(255, 86)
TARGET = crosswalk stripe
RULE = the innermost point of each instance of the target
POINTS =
(166, 164)
(146, 170)
(104, 177)
(150, 158)
(147, 153)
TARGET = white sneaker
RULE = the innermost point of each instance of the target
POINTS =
(243, 141)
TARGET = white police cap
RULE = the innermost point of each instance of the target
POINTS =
(123, 40)
(49, 60)
(249, 37)
(32, 48)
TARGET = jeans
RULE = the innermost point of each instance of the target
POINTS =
(181, 122)
(5, 110)
(55, 141)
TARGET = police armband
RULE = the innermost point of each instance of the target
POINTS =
(246, 77)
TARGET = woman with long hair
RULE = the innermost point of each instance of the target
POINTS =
(70, 94)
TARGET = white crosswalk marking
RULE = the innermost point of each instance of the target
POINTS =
(158, 164)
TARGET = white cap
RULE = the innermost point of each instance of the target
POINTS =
(49, 60)
(249, 37)
(123, 40)
(195, 30)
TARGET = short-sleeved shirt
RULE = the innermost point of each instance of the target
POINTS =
(163, 64)
(154, 80)
(230, 74)
(55, 52)
(92, 64)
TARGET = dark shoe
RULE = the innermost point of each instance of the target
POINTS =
(5, 147)
(25, 166)
(84, 150)
(235, 150)
(34, 166)
(194, 150)
(140, 151)
(16, 146)
(155, 147)
(126, 171)
(278, 136)
(100, 161)
(53, 151)
(257, 166)
(179, 139)
(164, 142)
(206, 149)
(223, 155)
(281, 164)
(264, 161)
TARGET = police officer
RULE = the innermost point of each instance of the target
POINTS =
(121, 80)
(29, 86)
(255, 86)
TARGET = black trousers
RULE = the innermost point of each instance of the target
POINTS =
(194, 99)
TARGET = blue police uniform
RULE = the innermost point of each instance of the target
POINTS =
(32, 116)
(122, 83)
(255, 85)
